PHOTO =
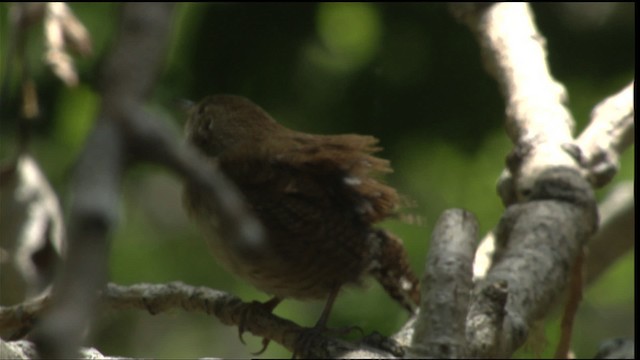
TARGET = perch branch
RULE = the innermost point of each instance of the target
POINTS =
(158, 298)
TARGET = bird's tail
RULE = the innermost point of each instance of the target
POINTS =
(392, 270)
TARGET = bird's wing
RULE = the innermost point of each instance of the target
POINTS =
(330, 172)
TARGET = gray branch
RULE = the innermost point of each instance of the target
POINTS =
(538, 123)
(31, 218)
(230, 310)
(446, 287)
(552, 212)
(616, 234)
(124, 134)
(537, 244)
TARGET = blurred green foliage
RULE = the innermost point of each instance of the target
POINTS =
(406, 73)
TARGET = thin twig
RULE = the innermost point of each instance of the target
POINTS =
(571, 308)
(608, 135)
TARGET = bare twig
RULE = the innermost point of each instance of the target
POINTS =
(21, 17)
(616, 234)
(63, 29)
(571, 308)
(607, 136)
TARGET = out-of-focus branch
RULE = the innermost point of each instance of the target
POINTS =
(616, 234)
(607, 136)
(446, 287)
(62, 29)
(125, 134)
(95, 191)
(33, 229)
(17, 320)
(23, 349)
(93, 213)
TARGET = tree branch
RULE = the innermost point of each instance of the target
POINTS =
(538, 123)
(616, 234)
(31, 218)
(607, 136)
(551, 212)
(230, 310)
(537, 244)
(124, 134)
(446, 286)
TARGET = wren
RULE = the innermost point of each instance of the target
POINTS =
(317, 197)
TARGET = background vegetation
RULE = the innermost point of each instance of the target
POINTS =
(406, 73)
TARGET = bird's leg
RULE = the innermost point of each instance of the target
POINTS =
(304, 341)
(324, 317)
(267, 306)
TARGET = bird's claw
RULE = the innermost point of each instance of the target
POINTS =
(256, 306)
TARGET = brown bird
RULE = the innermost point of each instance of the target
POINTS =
(317, 198)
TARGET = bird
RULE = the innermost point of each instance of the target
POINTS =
(318, 198)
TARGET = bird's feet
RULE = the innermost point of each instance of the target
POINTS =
(256, 306)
